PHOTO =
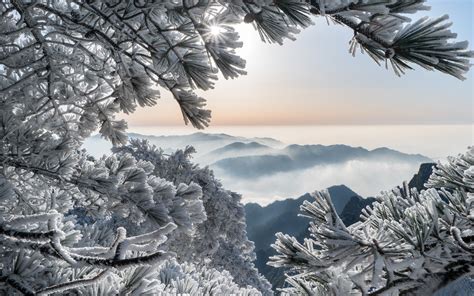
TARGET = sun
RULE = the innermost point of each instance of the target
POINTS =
(215, 30)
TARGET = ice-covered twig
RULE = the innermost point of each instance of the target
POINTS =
(456, 233)
(17, 221)
(27, 235)
(15, 281)
(49, 243)
(60, 288)
(144, 241)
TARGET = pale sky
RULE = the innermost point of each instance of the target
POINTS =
(314, 80)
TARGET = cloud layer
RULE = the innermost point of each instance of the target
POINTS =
(367, 178)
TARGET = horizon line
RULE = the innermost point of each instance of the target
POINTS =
(304, 124)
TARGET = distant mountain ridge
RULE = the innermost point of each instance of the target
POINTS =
(239, 146)
(203, 142)
(259, 167)
(254, 157)
(297, 157)
(235, 149)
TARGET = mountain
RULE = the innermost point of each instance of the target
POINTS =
(264, 168)
(203, 142)
(281, 216)
(264, 222)
(419, 179)
(352, 210)
(253, 166)
(240, 146)
(298, 157)
(235, 149)
(462, 287)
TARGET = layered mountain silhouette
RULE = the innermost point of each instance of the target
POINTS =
(299, 157)
(239, 147)
(282, 216)
(260, 167)
(204, 143)
(260, 155)
(252, 165)
(235, 149)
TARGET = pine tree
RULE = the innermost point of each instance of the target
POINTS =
(406, 243)
(70, 222)
(221, 239)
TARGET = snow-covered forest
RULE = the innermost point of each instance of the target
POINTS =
(143, 222)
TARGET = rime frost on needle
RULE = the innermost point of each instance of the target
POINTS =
(407, 242)
(136, 218)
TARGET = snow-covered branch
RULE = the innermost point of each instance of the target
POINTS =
(407, 241)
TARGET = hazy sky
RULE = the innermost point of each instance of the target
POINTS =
(314, 80)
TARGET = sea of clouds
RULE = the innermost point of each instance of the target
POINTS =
(367, 178)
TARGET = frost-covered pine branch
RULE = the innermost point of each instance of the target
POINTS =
(68, 67)
(49, 244)
(102, 199)
(221, 239)
(84, 61)
(384, 30)
(123, 193)
(407, 242)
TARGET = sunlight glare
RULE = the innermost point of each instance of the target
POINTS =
(215, 30)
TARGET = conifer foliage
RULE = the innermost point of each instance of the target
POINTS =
(136, 221)
(407, 242)
(220, 241)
